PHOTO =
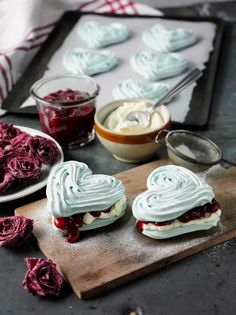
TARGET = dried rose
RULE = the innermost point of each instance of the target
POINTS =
(45, 149)
(8, 132)
(10, 154)
(24, 167)
(22, 140)
(14, 230)
(42, 277)
(6, 179)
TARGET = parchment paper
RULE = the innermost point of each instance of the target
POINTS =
(197, 55)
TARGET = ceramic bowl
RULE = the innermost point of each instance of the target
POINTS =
(128, 148)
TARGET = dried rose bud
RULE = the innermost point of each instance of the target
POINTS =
(45, 149)
(15, 230)
(24, 167)
(21, 142)
(42, 277)
(8, 132)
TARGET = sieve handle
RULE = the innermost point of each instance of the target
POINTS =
(228, 162)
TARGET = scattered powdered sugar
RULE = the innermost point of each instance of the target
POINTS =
(212, 171)
(119, 240)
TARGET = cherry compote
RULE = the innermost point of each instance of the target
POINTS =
(67, 118)
(71, 225)
(193, 214)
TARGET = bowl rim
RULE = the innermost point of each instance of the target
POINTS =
(64, 104)
(187, 158)
(142, 138)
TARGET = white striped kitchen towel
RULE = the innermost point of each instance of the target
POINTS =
(26, 24)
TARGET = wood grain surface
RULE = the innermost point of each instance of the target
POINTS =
(113, 255)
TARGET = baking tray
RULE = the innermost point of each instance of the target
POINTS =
(201, 101)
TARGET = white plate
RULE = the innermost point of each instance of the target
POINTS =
(15, 193)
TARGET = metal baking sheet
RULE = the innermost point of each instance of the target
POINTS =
(199, 103)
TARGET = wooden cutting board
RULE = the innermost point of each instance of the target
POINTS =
(111, 256)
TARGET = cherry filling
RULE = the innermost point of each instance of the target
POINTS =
(66, 96)
(68, 124)
(71, 225)
(193, 214)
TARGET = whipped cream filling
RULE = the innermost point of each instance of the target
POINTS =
(90, 222)
(158, 65)
(161, 39)
(210, 217)
(116, 211)
(98, 35)
(133, 89)
(116, 121)
(172, 191)
(72, 189)
(82, 61)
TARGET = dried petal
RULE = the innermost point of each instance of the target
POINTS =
(6, 180)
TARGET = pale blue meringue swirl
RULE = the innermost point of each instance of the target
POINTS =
(133, 89)
(161, 39)
(172, 191)
(156, 65)
(82, 61)
(98, 35)
(72, 189)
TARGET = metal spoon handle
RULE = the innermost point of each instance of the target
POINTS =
(181, 85)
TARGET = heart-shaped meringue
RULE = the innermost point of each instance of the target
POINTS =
(82, 61)
(156, 65)
(134, 89)
(161, 39)
(72, 189)
(173, 191)
(98, 35)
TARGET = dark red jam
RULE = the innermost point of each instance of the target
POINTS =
(193, 214)
(71, 225)
(68, 124)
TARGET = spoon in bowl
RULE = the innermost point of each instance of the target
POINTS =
(144, 117)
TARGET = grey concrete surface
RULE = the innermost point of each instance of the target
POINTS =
(202, 284)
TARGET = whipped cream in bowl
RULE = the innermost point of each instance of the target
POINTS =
(130, 141)
(118, 122)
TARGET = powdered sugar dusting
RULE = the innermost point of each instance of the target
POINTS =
(117, 253)
(120, 238)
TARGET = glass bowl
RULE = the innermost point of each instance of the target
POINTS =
(68, 117)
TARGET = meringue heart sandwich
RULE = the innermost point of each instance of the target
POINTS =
(79, 201)
(176, 202)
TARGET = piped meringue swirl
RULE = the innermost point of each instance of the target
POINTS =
(98, 35)
(133, 89)
(157, 65)
(72, 189)
(82, 61)
(172, 191)
(161, 39)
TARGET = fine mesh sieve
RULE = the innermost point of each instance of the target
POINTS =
(196, 152)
